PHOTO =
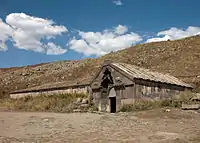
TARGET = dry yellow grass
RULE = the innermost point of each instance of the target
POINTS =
(51, 103)
(66, 103)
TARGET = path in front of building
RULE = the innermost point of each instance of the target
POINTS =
(154, 126)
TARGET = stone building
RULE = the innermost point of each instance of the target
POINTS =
(117, 84)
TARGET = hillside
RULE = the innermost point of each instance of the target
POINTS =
(180, 58)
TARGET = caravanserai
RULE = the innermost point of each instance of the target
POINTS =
(117, 84)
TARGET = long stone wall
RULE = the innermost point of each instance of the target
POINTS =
(157, 90)
(51, 92)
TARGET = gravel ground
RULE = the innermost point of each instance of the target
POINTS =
(153, 126)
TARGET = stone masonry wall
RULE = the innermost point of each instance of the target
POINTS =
(51, 92)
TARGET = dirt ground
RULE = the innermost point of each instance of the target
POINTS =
(153, 126)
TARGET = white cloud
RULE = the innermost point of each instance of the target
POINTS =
(5, 32)
(27, 32)
(118, 2)
(120, 29)
(175, 33)
(81, 46)
(100, 43)
(158, 39)
(53, 49)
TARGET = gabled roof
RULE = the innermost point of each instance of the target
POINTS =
(136, 72)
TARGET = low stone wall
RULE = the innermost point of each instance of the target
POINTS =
(50, 92)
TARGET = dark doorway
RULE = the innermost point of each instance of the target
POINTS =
(112, 104)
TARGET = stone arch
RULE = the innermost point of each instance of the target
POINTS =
(112, 100)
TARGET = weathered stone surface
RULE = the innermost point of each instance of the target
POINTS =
(79, 100)
(77, 110)
(85, 101)
(46, 120)
(190, 106)
(24, 74)
(196, 97)
(84, 105)
(38, 69)
(167, 110)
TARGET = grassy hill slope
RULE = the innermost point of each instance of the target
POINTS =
(180, 58)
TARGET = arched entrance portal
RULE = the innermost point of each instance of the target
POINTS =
(108, 94)
(112, 100)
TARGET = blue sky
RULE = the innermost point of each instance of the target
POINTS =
(37, 31)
